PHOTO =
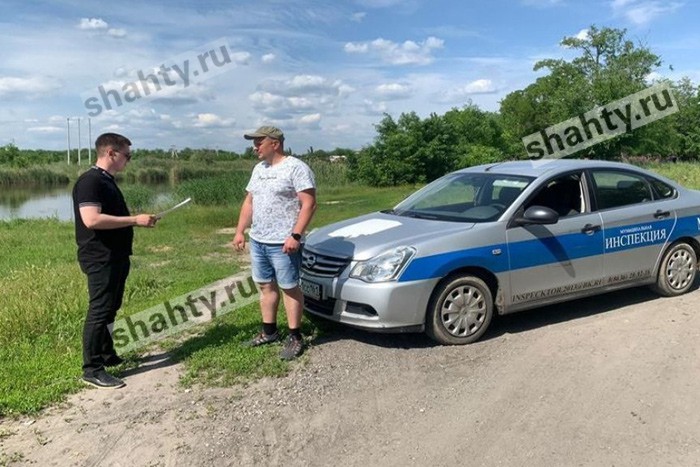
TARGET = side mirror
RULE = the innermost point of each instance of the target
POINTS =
(538, 215)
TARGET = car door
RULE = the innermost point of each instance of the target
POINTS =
(550, 263)
(636, 224)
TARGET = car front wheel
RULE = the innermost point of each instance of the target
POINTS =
(677, 271)
(460, 311)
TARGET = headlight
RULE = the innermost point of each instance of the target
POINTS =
(384, 267)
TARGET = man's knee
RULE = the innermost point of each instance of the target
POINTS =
(267, 287)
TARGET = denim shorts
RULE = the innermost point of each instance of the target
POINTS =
(270, 264)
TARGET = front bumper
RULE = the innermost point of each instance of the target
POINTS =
(383, 307)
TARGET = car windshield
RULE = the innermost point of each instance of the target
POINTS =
(464, 197)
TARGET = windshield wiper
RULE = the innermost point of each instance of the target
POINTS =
(420, 215)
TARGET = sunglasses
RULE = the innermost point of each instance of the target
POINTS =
(125, 154)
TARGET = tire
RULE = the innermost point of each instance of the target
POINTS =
(677, 270)
(460, 310)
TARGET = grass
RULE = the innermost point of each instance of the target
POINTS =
(44, 296)
(685, 173)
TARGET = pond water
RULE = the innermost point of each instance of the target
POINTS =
(42, 202)
(36, 202)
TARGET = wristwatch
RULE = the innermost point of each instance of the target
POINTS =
(296, 236)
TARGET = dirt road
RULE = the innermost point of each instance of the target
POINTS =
(613, 380)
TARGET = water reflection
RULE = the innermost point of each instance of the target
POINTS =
(36, 202)
(55, 202)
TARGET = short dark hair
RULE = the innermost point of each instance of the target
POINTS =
(113, 140)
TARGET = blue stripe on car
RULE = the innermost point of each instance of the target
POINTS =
(539, 252)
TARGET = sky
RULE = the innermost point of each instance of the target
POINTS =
(200, 74)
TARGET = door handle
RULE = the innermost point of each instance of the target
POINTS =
(659, 214)
(590, 229)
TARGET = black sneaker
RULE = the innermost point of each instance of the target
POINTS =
(104, 380)
(262, 339)
(293, 347)
(114, 360)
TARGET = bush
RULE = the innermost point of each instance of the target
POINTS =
(220, 191)
(138, 197)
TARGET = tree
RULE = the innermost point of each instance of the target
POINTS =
(686, 123)
(411, 150)
(608, 67)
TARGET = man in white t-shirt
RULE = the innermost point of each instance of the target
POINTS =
(278, 207)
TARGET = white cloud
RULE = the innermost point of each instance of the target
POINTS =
(93, 23)
(265, 99)
(641, 12)
(32, 86)
(46, 129)
(582, 35)
(305, 84)
(480, 86)
(240, 58)
(98, 24)
(114, 32)
(653, 76)
(406, 53)
(358, 17)
(310, 119)
(268, 58)
(461, 93)
(374, 108)
(356, 48)
(210, 120)
(300, 94)
(300, 102)
(394, 91)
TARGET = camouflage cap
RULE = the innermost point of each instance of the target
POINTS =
(263, 131)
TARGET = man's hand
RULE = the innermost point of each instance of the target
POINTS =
(146, 220)
(239, 241)
(290, 245)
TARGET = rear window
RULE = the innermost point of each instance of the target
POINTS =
(616, 189)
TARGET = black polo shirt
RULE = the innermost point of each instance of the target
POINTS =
(97, 187)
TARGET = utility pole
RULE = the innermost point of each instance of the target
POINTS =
(89, 141)
(80, 148)
(68, 126)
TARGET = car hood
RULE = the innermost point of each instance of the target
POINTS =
(366, 236)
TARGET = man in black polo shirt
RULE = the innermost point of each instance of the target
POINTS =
(104, 234)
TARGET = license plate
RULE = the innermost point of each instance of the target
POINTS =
(311, 289)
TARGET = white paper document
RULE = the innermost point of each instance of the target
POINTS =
(177, 206)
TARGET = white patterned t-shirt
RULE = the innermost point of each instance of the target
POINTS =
(275, 203)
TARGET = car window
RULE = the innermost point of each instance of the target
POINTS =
(464, 197)
(453, 193)
(617, 188)
(562, 194)
(662, 190)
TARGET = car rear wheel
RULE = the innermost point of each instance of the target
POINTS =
(677, 271)
(460, 311)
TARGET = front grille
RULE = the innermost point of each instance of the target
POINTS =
(324, 307)
(322, 265)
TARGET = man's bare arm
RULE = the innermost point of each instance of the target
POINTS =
(93, 218)
(245, 218)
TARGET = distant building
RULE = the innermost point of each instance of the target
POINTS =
(337, 158)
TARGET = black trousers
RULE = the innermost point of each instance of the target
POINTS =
(106, 289)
